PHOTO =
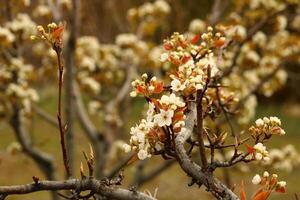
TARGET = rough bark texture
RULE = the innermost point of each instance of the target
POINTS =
(219, 190)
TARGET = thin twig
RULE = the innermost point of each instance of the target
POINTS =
(59, 116)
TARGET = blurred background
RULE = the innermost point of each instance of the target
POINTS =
(105, 20)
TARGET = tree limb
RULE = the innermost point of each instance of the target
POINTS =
(219, 190)
(88, 184)
(97, 139)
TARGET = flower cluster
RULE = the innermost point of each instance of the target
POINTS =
(260, 152)
(6, 36)
(269, 183)
(22, 26)
(14, 77)
(286, 158)
(266, 127)
(53, 35)
(149, 16)
(194, 63)
(146, 87)
(164, 117)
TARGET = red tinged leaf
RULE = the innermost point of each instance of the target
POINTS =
(57, 32)
(185, 59)
(242, 192)
(219, 43)
(159, 87)
(249, 148)
(273, 181)
(167, 46)
(141, 89)
(280, 189)
(195, 39)
(262, 195)
(178, 116)
(156, 103)
(175, 62)
(161, 135)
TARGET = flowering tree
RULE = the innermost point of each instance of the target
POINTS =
(199, 88)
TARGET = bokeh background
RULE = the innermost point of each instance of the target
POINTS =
(105, 19)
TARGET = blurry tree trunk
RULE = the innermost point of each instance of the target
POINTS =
(97, 139)
(69, 79)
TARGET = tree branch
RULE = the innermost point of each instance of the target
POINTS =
(69, 78)
(89, 184)
(219, 190)
(97, 139)
(62, 128)
(45, 116)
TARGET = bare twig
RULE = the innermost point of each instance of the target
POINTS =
(119, 166)
(62, 128)
(153, 173)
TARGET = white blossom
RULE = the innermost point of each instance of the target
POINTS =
(164, 118)
(256, 179)
(176, 85)
(142, 154)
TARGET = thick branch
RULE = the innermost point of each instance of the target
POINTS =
(119, 166)
(219, 190)
(93, 185)
(43, 160)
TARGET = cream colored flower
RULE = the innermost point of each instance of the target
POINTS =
(176, 85)
(142, 154)
(256, 179)
(164, 118)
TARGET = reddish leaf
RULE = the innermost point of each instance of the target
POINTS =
(195, 39)
(262, 195)
(219, 43)
(249, 149)
(156, 103)
(141, 89)
(185, 59)
(162, 136)
(280, 189)
(178, 116)
(273, 181)
(242, 192)
(167, 46)
(159, 87)
(57, 32)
